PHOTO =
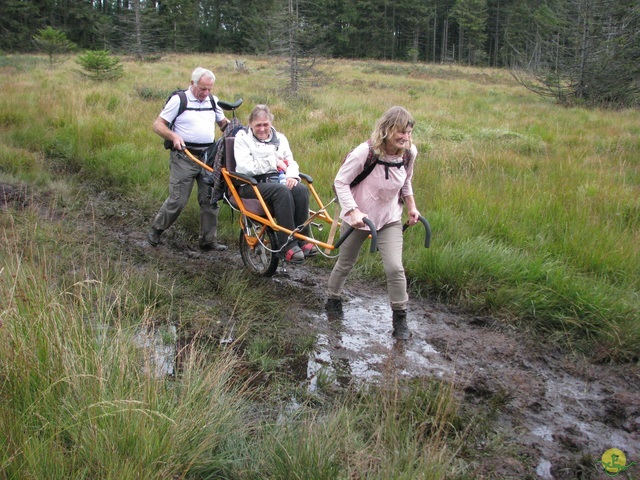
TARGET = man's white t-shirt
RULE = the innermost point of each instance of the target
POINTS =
(197, 125)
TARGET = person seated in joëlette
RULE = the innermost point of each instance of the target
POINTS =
(260, 151)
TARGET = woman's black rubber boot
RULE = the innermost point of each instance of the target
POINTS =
(400, 327)
(334, 305)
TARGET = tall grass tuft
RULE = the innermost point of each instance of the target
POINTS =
(308, 446)
(79, 398)
(380, 432)
(410, 429)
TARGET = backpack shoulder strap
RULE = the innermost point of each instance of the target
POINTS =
(182, 107)
(373, 160)
(182, 94)
(183, 102)
(369, 165)
(406, 157)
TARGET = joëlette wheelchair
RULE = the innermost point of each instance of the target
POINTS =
(258, 242)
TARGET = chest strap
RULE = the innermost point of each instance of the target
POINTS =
(388, 165)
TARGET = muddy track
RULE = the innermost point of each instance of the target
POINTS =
(553, 414)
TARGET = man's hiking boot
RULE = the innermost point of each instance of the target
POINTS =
(333, 305)
(400, 328)
(213, 247)
(153, 236)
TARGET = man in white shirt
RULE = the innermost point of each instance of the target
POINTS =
(191, 125)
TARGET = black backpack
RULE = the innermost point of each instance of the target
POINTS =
(218, 160)
(183, 106)
(373, 160)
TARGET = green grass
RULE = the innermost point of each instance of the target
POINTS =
(77, 401)
(535, 215)
(534, 207)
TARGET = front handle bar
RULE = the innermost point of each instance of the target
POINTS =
(427, 228)
(350, 229)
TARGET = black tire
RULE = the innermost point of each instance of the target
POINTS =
(259, 259)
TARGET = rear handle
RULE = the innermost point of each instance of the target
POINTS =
(427, 230)
(350, 229)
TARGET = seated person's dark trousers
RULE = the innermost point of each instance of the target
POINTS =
(289, 207)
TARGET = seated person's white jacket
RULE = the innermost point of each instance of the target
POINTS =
(255, 157)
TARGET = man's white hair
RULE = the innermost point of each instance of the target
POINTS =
(200, 72)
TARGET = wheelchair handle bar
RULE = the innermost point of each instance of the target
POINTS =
(374, 236)
(427, 228)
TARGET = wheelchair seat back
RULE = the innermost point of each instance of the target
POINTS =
(251, 204)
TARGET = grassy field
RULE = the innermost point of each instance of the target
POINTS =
(535, 207)
(535, 211)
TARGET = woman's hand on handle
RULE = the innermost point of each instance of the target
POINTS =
(414, 216)
(355, 218)
(412, 210)
(361, 217)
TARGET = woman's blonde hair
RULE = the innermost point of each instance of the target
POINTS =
(396, 119)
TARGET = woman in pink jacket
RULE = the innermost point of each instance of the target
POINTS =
(380, 197)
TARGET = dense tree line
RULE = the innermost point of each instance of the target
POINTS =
(479, 32)
(588, 52)
(564, 46)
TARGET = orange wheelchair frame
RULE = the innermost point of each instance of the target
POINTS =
(258, 243)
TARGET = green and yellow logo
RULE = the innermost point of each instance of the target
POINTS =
(614, 462)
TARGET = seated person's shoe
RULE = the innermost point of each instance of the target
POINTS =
(309, 250)
(294, 255)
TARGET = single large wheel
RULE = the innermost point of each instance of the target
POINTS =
(259, 257)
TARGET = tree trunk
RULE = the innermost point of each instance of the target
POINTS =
(584, 47)
(435, 33)
(496, 39)
(445, 36)
(416, 45)
(138, 29)
(293, 58)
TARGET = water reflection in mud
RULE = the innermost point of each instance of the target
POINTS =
(159, 347)
(357, 347)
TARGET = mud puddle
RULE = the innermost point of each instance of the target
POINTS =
(358, 345)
